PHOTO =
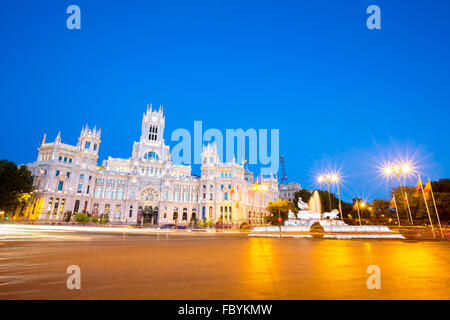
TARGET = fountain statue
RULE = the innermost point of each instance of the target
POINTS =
(331, 215)
(314, 203)
(299, 224)
(311, 213)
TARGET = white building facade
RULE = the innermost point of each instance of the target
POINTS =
(147, 187)
(288, 190)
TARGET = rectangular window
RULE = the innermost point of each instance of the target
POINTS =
(61, 207)
(80, 187)
(49, 206)
(60, 185)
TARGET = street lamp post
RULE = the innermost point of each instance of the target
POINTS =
(405, 168)
(258, 190)
(398, 169)
(357, 208)
(327, 179)
(335, 178)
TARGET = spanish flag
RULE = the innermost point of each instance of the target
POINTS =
(427, 186)
(232, 188)
(418, 187)
(427, 189)
(245, 161)
(392, 204)
(237, 204)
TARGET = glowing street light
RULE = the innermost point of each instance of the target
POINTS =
(334, 178)
(359, 204)
(398, 169)
(327, 179)
(260, 188)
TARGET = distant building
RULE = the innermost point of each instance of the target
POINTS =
(287, 191)
(147, 186)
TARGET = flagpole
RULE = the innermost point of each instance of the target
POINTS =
(396, 210)
(357, 207)
(426, 205)
(437, 214)
(407, 202)
(405, 196)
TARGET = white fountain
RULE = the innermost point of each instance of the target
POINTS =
(310, 214)
(299, 225)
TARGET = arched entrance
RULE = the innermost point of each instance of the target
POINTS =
(150, 215)
(149, 198)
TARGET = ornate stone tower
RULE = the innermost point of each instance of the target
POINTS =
(153, 123)
(210, 157)
(88, 145)
(151, 144)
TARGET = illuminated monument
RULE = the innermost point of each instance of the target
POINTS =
(299, 225)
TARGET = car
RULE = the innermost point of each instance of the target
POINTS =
(171, 226)
(167, 226)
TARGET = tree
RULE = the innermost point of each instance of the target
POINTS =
(16, 185)
(82, 217)
(305, 194)
(279, 207)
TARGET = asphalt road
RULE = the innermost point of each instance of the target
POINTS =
(33, 265)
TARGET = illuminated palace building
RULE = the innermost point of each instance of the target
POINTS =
(147, 187)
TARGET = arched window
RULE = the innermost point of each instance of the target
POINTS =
(76, 206)
(151, 155)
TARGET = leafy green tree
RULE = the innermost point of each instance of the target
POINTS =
(82, 217)
(209, 223)
(279, 207)
(105, 218)
(16, 185)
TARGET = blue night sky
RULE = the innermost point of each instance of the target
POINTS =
(343, 96)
